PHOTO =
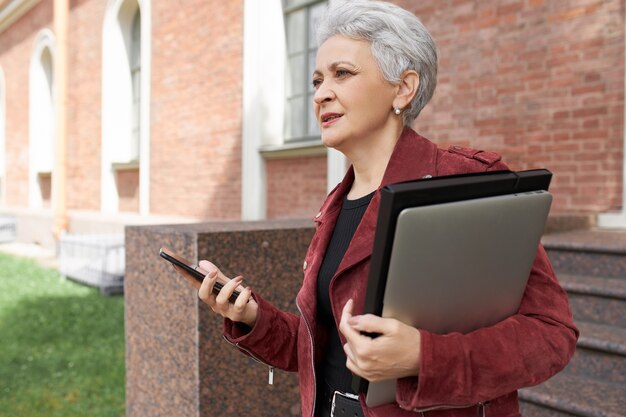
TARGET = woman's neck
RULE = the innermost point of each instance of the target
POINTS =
(369, 164)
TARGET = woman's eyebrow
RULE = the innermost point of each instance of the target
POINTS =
(337, 63)
(334, 65)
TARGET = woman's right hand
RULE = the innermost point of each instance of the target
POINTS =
(243, 310)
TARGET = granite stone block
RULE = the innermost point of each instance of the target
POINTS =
(598, 309)
(177, 362)
(588, 252)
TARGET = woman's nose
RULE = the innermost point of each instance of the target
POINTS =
(323, 93)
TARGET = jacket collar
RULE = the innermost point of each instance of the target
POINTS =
(413, 157)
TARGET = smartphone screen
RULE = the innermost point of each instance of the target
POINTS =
(192, 270)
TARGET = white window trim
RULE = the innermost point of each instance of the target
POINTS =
(264, 54)
(264, 64)
(13, 10)
(335, 169)
(294, 149)
(109, 198)
(44, 39)
(3, 148)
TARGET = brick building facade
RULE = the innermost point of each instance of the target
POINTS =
(198, 90)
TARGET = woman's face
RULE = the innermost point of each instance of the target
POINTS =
(353, 102)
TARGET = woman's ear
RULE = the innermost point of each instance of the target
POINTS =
(409, 83)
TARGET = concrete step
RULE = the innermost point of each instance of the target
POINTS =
(600, 353)
(529, 409)
(588, 252)
(596, 299)
(570, 395)
(591, 267)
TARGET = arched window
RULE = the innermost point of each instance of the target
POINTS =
(124, 106)
(3, 166)
(41, 122)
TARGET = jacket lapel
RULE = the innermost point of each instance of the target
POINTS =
(413, 158)
(325, 222)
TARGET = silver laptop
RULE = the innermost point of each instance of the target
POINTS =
(457, 267)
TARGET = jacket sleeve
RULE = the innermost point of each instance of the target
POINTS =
(272, 340)
(522, 350)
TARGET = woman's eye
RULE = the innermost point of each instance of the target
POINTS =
(342, 73)
(316, 83)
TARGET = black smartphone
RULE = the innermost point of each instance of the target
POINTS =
(193, 271)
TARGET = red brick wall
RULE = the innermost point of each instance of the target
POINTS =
(84, 104)
(197, 73)
(196, 105)
(84, 101)
(127, 182)
(296, 187)
(541, 82)
(16, 47)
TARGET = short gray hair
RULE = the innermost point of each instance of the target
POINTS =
(400, 42)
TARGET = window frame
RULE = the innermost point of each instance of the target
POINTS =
(307, 137)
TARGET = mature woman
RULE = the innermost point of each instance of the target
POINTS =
(375, 70)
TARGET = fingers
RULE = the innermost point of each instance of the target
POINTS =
(353, 327)
(207, 266)
(355, 341)
(370, 323)
(242, 300)
(344, 324)
(369, 357)
(244, 308)
(227, 290)
(206, 289)
(221, 300)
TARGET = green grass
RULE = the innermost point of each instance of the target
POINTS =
(61, 345)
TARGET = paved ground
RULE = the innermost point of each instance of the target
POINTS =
(45, 257)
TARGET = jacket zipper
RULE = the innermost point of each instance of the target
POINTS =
(270, 379)
(312, 357)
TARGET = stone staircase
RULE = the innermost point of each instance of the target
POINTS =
(591, 266)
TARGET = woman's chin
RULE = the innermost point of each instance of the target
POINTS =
(330, 140)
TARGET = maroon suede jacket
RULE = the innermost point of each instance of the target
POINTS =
(460, 375)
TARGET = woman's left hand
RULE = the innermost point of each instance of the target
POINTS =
(393, 354)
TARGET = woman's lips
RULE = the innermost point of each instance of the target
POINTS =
(328, 119)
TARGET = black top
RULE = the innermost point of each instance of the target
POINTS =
(333, 369)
